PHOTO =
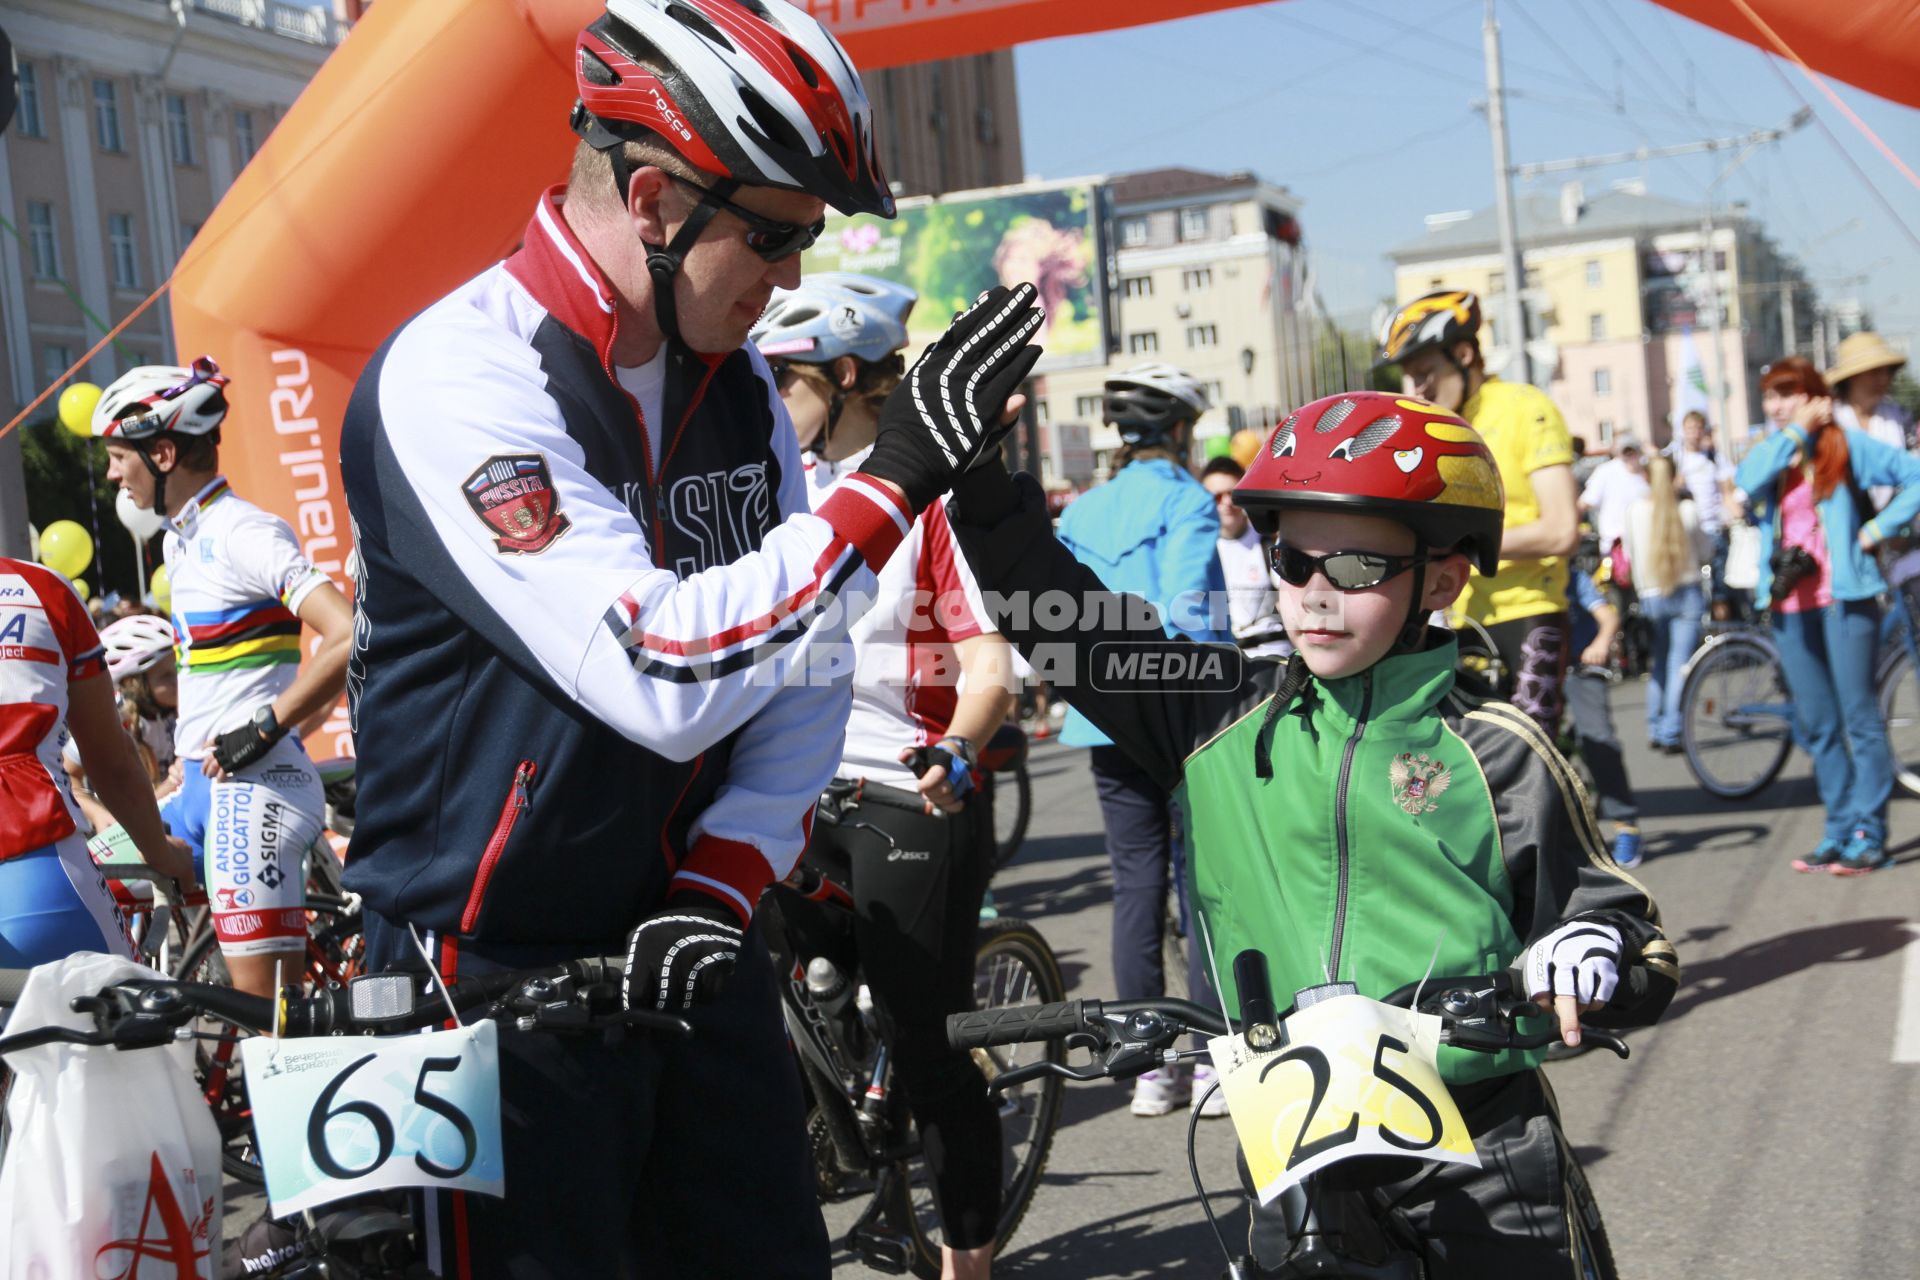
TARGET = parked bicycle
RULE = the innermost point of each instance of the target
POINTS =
(1337, 1226)
(865, 1146)
(1737, 711)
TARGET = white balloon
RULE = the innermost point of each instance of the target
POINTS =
(140, 522)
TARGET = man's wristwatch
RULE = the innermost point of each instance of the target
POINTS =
(268, 724)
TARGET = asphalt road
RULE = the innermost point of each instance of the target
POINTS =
(1762, 1129)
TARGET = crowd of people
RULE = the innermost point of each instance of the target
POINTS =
(531, 618)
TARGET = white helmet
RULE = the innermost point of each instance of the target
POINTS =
(1148, 400)
(834, 314)
(153, 398)
(136, 643)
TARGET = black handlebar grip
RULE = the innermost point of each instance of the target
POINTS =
(12, 983)
(1015, 1025)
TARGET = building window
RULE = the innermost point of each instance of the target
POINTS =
(1496, 284)
(54, 361)
(44, 243)
(1593, 273)
(1533, 278)
(1596, 328)
(1436, 283)
(1719, 259)
(1203, 335)
(1606, 433)
(188, 230)
(31, 125)
(106, 116)
(1137, 286)
(1139, 343)
(126, 265)
(243, 134)
(1603, 382)
(1194, 279)
(1215, 393)
(1089, 408)
(1133, 231)
(1193, 224)
(179, 129)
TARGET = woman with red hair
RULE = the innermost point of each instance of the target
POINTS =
(1806, 485)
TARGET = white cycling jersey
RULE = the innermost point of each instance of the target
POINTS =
(906, 677)
(238, 580)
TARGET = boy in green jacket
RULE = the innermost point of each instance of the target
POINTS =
(1352, 813)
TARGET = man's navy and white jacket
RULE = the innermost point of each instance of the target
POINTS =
(580, 675)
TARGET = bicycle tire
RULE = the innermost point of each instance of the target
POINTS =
(1013, 818)
(1013, 965)
(1735, 752)
(1899, 697)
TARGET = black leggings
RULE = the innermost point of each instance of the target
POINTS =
(916, 911)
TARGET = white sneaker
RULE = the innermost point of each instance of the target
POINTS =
(1210, 1107)
(1161, 1090)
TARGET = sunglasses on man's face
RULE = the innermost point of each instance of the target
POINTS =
(773, 240)
(1344, 570)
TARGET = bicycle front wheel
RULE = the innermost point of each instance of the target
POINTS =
(1736, 717)
(1900, 707)
(1013, 966)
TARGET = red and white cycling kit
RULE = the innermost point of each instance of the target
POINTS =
(906, 677)
(239, 579)
(51, 892)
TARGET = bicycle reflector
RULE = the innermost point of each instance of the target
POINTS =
(379, 998)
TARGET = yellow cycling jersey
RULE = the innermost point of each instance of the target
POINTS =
(1527, 434)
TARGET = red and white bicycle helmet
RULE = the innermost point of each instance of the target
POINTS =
(154, 398)
(752, 90)
(137, 643)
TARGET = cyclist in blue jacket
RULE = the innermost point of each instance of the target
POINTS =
(1153, 532)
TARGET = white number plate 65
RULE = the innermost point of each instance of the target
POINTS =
(340, 1116)
(1356, 1078)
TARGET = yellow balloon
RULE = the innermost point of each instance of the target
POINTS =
(76, 408)
(81, 589)
(66, 548)
(162, 588)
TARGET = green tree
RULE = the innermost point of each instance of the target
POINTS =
(1906, 393)
(67, 480)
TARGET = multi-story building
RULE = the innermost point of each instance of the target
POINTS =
(951, 125)
(1617, 286)
(1211, 278)
(132, 122)
(135, 116)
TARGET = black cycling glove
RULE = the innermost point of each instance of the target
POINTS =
(241, 746)
(683, 955)
(945, 414)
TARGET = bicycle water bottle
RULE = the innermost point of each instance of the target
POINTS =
(828, 986)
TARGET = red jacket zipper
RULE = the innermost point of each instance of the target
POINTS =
(496, 845)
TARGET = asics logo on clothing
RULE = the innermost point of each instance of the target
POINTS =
(909, 855)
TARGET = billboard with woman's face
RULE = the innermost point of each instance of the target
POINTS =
(952, 248)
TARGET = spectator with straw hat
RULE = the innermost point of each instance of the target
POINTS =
(1862, 373)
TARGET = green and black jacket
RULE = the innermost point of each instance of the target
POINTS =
(1403, 821)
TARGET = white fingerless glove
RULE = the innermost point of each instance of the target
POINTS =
(1581, 959)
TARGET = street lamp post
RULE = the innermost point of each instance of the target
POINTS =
(1246, 370)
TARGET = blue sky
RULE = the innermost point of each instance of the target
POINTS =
(1366, 110)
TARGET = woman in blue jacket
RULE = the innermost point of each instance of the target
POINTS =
(1806, 486)
(1152, 531)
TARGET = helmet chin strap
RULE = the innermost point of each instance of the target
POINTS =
(1413, 632)
(159, 484)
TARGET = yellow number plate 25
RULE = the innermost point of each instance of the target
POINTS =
(1356, 1078)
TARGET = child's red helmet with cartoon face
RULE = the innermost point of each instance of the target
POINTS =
(1369, 453)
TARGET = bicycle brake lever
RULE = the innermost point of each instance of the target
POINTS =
(1034, 1070)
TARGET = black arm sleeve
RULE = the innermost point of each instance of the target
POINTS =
(1557, 862)
(1098, 649)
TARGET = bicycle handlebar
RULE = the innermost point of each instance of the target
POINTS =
(143, 1012)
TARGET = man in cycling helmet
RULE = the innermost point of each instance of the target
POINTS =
(1522, 602)
(249, 801)
(1352, 813)
(595, 683)
(1152, 531)
(931, 678)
